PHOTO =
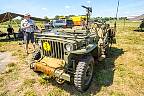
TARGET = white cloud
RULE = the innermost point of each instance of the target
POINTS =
(67, 7)
(88, 1)
(44, 8)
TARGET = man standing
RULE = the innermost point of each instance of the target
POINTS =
(28, 26)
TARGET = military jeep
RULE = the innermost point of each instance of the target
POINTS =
(70, 55)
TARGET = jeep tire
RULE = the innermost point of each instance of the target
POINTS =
(84, 73)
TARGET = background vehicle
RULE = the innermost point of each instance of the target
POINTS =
(63, 23)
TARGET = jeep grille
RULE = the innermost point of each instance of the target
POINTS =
(56, 49)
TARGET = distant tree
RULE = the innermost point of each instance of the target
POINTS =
(71, 15)
(106, 18)
(60, 17)
(45, 17)
(67, 17)
(111, 18)
(57, 17)
(123, 18)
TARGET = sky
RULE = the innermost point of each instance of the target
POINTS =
(50, 8)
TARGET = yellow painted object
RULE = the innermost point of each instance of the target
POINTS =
(46, 46)
(77, 23)
(77, 20)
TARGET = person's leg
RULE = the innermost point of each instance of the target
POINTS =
(27, 41)
(32, 40)
(24, 37)
(8, 36)
(14, 34)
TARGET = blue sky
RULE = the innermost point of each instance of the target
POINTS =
(50, 8)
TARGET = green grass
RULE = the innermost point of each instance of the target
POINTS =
(57, 92)
(29, 82)
(11, 64)
(43, 81)
(114, 93)
(30, 93)
(3, 93)
(11, 67)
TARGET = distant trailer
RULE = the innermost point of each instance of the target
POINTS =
(63, 23)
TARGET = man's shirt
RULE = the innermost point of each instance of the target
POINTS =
(28, 25)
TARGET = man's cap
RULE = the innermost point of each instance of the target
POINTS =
(27, 14)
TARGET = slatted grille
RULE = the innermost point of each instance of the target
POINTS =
(57, 49)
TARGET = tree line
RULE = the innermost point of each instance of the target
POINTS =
(67, 17)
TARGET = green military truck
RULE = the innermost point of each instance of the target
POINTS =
(70, 55)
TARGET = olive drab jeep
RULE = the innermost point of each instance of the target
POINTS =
(70, 55)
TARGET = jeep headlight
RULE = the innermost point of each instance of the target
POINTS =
(68, 47)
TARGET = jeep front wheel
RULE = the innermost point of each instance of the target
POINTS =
(84, 74)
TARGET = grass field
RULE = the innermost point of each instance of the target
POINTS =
(122, 74)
